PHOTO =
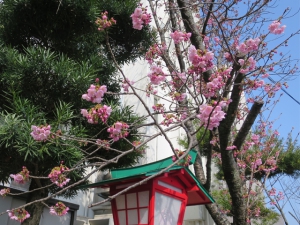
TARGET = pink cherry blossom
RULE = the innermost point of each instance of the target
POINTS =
(168, 119)
(179, 36)
(228, 56)
(95, 93)
(103, 23)
(99, 111)
(257, 212)
(183, 162)
(140, 17)
(4, 192)
(126, 83)
(201, 60)
(18, 214)
(58, 177)
(255, 138)
(158, 108)
(40, 133)
(18, 178)
(59, 209)
(249, 45)
(211, 116)
(231, 147)
(272, 192)
(280, 196)
(179, 96)
(275, 28)
(22, 177)
(266, 75)
(155, 51)
(257, 163)
(156, 75)
(118, 130)
(247, 66)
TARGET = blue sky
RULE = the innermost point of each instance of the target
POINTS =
(287, 111)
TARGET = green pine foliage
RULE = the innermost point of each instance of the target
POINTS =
(50, 52)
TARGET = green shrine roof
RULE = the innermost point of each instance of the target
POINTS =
(118, 175)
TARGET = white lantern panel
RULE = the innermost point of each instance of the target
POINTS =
(132, 217)
(143, 198)
(131, 200)
(166, 210)
(122, 217)
(144, 216)
(120, 200)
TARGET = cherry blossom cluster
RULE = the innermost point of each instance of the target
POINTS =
(178, 80)
(156, 75)
(95, 93)
(272, 89)
(155, 51)
(58, 177)
(97, 112)
(103, 143)
(247, 66)
(201, 60)
(59, 209)
(159, 108)
(126, 83)
(249, 45)
(275, 28)
(228, 57)
(216, 82)
(4, 192)
(177, 96)
(278, 197)
(253, 85)
(118, 130)
(182, 162)
(179, 36)
(232, 147)
(270, 164)
(140, 17)
(211, 115)
(256, 162)
(150, 90)
(169, 119)
(22, 177)
(40, 133)
(18, 214)
(103, 21)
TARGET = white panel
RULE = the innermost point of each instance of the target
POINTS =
(131, 200)
(195, 212)
(169, 186)
(48, 219)
(120, 200)
(5, 205)
(144, 216)
(122, 217)
(132, 217)
(166, 210)
(143, 198)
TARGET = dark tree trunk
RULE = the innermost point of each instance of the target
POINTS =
(35, 210)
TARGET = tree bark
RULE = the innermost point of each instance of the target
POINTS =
(218, 217)
(229, 166)
(35, 210)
